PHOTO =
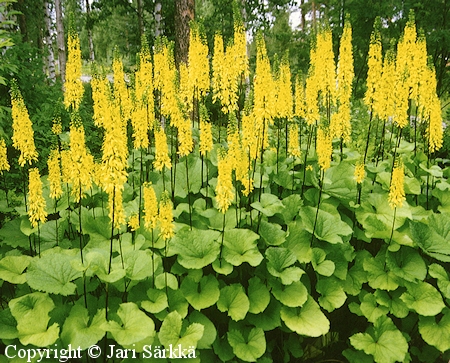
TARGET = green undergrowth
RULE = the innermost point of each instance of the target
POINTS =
(275, 279)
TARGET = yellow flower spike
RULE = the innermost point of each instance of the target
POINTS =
(101, 96)
(198, 63)
(435, 130)
(23, 134)
(133, 222)
(224, 187)
(150, 207)
(375, 71)
(397, 187)
(36, 201)
(121, 92)
(206, 137)
(4, 165)
(185, 138)
(300, 105)
(115, 206)
(309, 167)
(161, 151)
(57, 126)
(360, 173)
(294, 146)
(284, 103)
(324, 148)
(165, 217)
(345, 74)
(54, 174)
(73, 87)
(140, 127)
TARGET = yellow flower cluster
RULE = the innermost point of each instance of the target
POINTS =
(186, 143)
(73, 87)
(121, 93)
(165, 217)
(397, 188)
(224, 187)
(360, 173)
(206, 138)
(54, 174)
(57, 126)
(144, 76)
(229, 68)
(150, 207)
(341, 128)
(101, 95)
(36, 201)
(374, 72)
(294, 146)
(140, 127)
(264, 97)
(81, 164)
(114, 164)
(133, 222)
(238, 159)
(384, 100)
(300, 105)
(4, 165)
(161, 151)
(198, 63)
(284, 102)
(23, 134)
(324, 148)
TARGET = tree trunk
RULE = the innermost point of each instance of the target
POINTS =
(50, 61)
(60, 40)
(158, 18)
(140, 18)
(303, 15)
(184, 13)
(89, 31)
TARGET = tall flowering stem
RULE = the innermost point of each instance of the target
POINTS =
(36, 202)
(4, 165)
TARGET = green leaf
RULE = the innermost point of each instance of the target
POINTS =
(195, 248)
(171, 332)
(134, 327)
(248, 349)
(97, 263)
(53, 273)
(433, 237)
(269, 205)
(292, 295)
(333, 295)
(8, 324)
(386, 343)
(258, 294)
(139, 264)
(292, 205)
(298, 242)
(31, 312)
(308, 320)
(328, 227)
(320, 264)
(166, 280)
(356, 275)
(371, 310)
(407, 264)
(11, 234)
(209, 333)
(377, 276)
(233, 300)
(377, 217)
(272, 233)
(202, 294)
(436, 334)
(157, 301)
(279, 260)
(443, 282)
(423, 298)
(12, 267)
(270, 319)
(79, 331)
(240, 246)
(392, 301)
